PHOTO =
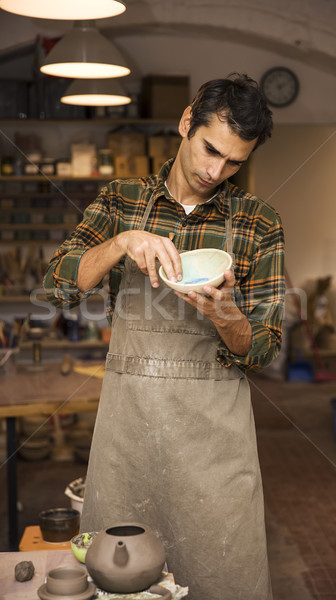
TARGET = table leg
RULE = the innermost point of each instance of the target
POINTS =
(12, 485)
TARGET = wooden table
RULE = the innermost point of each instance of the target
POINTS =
(43, 561)
(39, 393)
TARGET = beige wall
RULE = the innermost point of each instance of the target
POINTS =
(296, 173)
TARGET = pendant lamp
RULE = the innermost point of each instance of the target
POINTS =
(85, 53)
(65, 9)
(95, 92)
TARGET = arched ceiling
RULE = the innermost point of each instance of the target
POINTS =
(301, 29)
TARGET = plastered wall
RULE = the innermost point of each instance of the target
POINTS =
(295, 172)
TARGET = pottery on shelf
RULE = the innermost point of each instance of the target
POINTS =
(67, 583)
(125, 558)
(59, 524)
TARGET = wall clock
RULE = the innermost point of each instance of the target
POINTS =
(280, 86)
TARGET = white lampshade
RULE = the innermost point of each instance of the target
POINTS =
(95, 92)
(65, 9)
(85, 53)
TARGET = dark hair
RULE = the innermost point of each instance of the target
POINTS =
(236, 100)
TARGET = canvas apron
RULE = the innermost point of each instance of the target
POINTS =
(174, 445)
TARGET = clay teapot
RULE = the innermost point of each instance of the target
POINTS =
(125, 558)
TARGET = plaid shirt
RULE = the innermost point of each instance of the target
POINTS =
(257, 245)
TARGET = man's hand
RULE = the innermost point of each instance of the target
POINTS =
(217, 305)
(144, 248)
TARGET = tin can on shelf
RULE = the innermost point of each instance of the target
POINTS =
(105, 162)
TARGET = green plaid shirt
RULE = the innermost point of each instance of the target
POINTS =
(257, 244)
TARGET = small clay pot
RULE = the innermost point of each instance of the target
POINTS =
(125, 558)
(66, 583)
(59, 524)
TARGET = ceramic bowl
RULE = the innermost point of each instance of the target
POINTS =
(81, 543)
(204, 266)
(59, 524)
(67, 581)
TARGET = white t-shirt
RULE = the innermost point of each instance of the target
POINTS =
(188, 207)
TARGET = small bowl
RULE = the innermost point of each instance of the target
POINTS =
(81, 543)
(65, 581)
(59, 524)
(201, 267)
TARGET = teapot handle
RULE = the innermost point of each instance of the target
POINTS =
(161, 591)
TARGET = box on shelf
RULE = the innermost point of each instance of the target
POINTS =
(163, 145)
(63, 168)
(125, 143)
(164, 96)
(131, 166)
(82, 159)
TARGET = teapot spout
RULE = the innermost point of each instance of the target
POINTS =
(121, 555)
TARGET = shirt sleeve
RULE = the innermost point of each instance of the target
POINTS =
(260, 296)
(97, 226)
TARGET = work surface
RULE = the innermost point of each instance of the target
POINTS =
(43, 561)
(43, 392)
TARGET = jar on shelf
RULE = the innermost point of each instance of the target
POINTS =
(47, 166)
(7, 165)
(105, 162)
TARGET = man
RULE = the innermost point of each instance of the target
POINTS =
(174, 444)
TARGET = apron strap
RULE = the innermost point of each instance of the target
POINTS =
(229, 237)
(147, 211)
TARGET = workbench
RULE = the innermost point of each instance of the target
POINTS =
(43, 393)
(44, 561)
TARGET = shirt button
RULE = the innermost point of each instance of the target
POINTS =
(184, 223)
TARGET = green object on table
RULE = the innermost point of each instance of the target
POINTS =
(80, 544)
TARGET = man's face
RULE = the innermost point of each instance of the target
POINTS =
(211, 155)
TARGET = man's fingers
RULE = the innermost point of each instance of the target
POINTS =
(229, 278)
(169, 259)
(144, 248)
(175, 260)
(151, 267)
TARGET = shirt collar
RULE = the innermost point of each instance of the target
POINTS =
(220, 200)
